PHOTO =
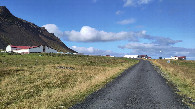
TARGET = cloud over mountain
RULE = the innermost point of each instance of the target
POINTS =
(52, 28)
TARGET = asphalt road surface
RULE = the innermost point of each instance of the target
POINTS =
(139, 87)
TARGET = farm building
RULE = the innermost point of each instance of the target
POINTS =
(49, 50)
(131, 56)
(143, 56)
(109, 56)
(30, 49)
(182, 58)
(177, 58)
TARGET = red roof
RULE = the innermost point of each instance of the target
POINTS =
(182, 57)
(23, 47)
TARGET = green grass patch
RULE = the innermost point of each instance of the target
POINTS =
(54, 80)
(182, 74)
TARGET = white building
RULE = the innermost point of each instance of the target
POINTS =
(177, 58)
(49, 50)
(131, 56)
(38, 49)
(173, 58)
(10, 48)
(30, 49)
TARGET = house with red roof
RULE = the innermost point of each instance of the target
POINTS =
(177, 58)
(30, 49)
(182, 57)
(143, 56)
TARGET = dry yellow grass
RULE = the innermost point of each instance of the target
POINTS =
(182, 74)
(34, 81)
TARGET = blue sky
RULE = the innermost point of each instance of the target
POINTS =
(115, 27)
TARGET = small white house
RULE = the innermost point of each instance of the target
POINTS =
(30, 49)
(131, 56)
(10, 48)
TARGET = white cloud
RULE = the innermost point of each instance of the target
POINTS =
(144, 1)
(160, 40)
(94, 51)
(119, 12)
(89, 34)
(135, 2)
(52, 28)
(128, 2)
(127, 21)
(164, 41)
(84, 50)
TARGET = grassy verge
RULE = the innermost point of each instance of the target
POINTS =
(182, 74)
(54, 81)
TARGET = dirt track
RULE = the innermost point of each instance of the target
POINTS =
(138, 87)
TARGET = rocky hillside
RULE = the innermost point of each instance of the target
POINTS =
(16, 31)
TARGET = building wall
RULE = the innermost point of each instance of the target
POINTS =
(167, 58)
(36, 50)
(131, 56)
(50, 50)
(21, 51)
(182, 58)
(10, 49)
(175, 58)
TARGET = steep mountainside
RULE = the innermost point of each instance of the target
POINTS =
(16, 31)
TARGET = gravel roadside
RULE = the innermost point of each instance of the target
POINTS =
(138, 87)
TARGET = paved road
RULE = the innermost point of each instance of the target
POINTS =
(138, 87)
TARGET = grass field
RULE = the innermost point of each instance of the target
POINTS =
(182, 74)
(54, 81)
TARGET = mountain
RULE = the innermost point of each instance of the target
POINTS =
(16, 31)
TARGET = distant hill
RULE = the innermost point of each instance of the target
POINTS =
(16, 31)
